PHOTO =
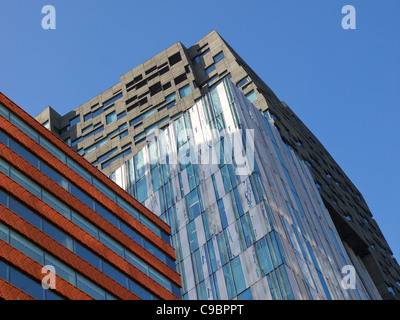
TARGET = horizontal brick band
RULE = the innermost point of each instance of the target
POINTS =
(34, 270)
(82, 161)
(11, 292)
(72, 176)
(52, 187)
(69, 227)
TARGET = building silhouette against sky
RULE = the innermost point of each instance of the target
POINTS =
(115, 126)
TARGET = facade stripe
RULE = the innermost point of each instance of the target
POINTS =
(81, 161)
(33, 269)
(64, 224)
(82, 209)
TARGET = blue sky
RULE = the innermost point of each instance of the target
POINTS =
(343, 84)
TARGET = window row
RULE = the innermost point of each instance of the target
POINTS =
(75, 191)
(43, 258)
(206, 267)
(26, 284)
(123, 132)
(106, 105)
(55, 151)
(80, 250)
(60, 207)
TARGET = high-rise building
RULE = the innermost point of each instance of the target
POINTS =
(246, 218)
(66, 230)
(113, 127)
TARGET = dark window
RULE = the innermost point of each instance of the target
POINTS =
(151, 70)
(155, 88)
(143, 94)
(180, 78)
(142, 102)
(162, 65)
(141, 84)
(164, 70)
(130, 83)
(130, 100)
(138, 78)
(154, 75)
(201, 55)
(132, 106)
(65, 129)
(137, 104)
(174, 59)
(166, 86)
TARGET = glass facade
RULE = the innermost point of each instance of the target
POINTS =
(48, 217)
(247, 222)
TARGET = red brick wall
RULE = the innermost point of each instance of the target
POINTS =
(34, 270)
(82, 161)
(52, 246)
(82, 209)
(10, 292)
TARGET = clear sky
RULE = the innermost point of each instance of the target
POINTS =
(343, 84)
